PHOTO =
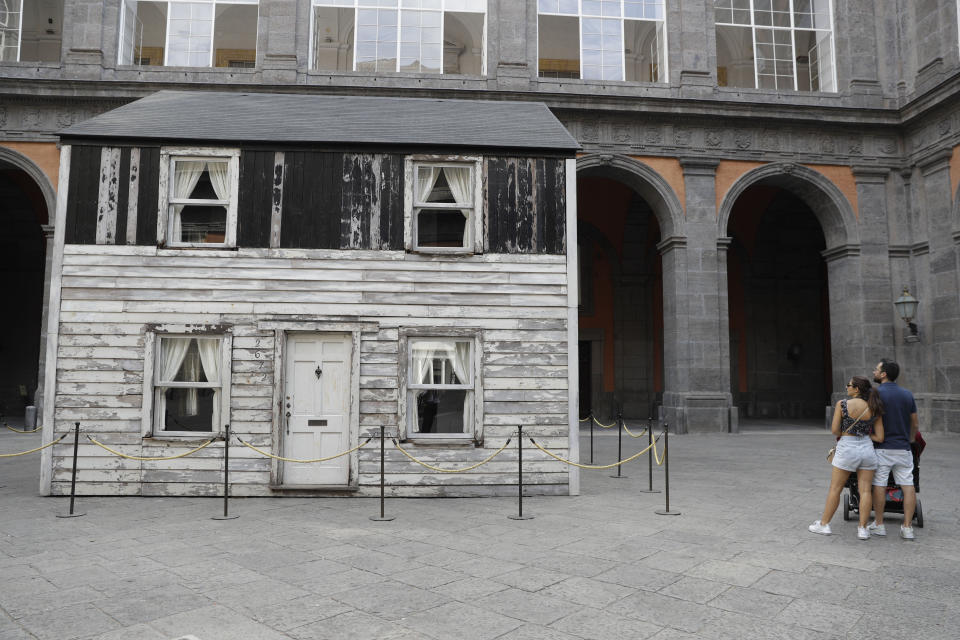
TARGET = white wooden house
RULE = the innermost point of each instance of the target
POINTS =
(306, 269)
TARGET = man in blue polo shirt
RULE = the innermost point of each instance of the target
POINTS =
(893, 454)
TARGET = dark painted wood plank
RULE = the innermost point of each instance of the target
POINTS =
(524, 225)
(255, 198)
(311, 200)
(496, 201)
(359, 200)
(82, 194)
(556, 197)
(123, 196)
(148, 199)
(391, 202)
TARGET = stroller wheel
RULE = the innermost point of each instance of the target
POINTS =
(846, 507)
(918, 514)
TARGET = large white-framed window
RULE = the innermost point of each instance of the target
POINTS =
(30, 31)
(443, 396)
(443, 204)
(198, 197)
(187, 380)
(602, 40)
(776, 44)
(419, 36)
(189, 33)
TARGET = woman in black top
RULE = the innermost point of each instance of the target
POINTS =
(857, 423)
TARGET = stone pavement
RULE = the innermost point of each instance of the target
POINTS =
(738, 563)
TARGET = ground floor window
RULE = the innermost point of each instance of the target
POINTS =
(189, 376)
(441, 386)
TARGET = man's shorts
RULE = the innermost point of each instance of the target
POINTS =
(855, 452)
(900, 461)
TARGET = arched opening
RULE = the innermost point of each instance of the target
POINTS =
(620, 298)
(780, 354)
(23, 247)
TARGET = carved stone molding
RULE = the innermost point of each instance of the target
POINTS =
(934, 162)
(871, 175)
(843, 251)
(670, 243)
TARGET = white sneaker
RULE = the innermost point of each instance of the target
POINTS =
(822, 529)
(907, 533)
(877, 529)
(863, 533)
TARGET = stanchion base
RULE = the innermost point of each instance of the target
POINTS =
(648, 491)
(665, 512)
(382, 518)
(520, 517)
(224, 517)
(70, 515)
(620, 477)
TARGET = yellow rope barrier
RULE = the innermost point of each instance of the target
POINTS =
(634, 435)
(603, 426)
(591, 466)
(23, 453)
(148, 458)
(585, 419)
(24, 430)
(656, 457)
(270, 455)
(429, 466)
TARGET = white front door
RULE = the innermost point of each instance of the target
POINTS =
(316, 406)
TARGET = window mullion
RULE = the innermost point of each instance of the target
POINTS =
(213, 29)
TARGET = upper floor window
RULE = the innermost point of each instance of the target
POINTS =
(602, 40)
(420, 36)
(199, 204)
(194, 33)
(30, 31)
(442, 213)
(776, 44)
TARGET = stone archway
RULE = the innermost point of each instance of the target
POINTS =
(628, 339)
(843, 300)
(27, 224)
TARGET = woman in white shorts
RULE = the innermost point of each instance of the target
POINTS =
(857, 423)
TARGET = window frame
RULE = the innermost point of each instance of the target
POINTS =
(19, 31)
(153, 401)
(409, 336)
(356, 6)
(122, 45)
(168, 157)
(411, 207)
(792, 29)
(662, 62)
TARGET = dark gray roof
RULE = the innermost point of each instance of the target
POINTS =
(267, 117)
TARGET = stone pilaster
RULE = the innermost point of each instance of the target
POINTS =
(512, 32)
(278, 23)
(849, 355)
(856, 37)
(48, 232)
(83, 22)
(692, 58)
(878, 316)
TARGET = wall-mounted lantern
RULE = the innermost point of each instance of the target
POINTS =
(906, 306)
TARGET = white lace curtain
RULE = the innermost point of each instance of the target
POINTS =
(187, 174)
(425, 358)
(174, 356)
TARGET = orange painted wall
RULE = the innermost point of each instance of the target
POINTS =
(954, 171)
(843, 178)
(671, 171)
(728, 172)
(43, 154)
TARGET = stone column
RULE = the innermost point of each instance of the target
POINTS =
(856, 37)
(48, 230)
(693, 58)
(676, 358)
(512, 43)
(877, 322)
(939, 315)
(849, 356)
(83, 22)
(703, 349)
(277, 26)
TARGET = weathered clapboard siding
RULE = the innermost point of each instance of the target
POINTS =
(111, 293)
(526, 211)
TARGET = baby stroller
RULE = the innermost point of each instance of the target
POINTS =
(894, 502)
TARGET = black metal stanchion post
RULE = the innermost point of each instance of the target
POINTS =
(226, 478)
(619, 424)
(383, 517)
(650, 488)
(666, 473)
(73, 475)
(590, 416)
(520, 515)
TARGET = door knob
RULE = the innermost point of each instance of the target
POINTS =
(319, 372)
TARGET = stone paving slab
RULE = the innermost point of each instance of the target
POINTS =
(737, 564)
